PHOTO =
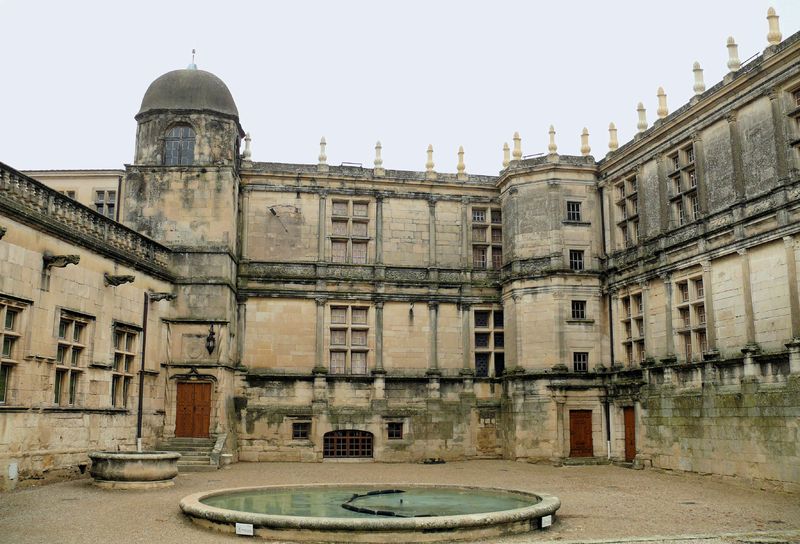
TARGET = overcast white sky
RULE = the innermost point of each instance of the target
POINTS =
(410, 73)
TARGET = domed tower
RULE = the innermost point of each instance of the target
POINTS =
(183, 191)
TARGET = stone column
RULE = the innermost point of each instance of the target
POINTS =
(747, 295)
(561, 435)
(466, 315)
(323, 196)
(433, 357)
(379, 229)
(644, 218)
(611, 221)
(781, 145)
(616, 316)
(560, 325)
(708, 302)
(666, 278)
(518, 328)
(791, 275)
(736, 150)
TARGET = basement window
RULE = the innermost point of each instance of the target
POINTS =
(301, 430)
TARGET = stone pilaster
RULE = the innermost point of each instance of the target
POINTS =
(560, 446)
(736, 150)
(781, 145)
(747, 296)
(648, 336)
(466, 254)
(432, 233)
(791, 276)
(708, 301)
(320, 366)
(466, 316)
(379, 336)
(379, 229)
(323, 197)
(663, 195)
(667, 279)
(518, 329)
(433, 355)
(700, 172)
(560, 326)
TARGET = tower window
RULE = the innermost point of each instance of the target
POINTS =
(179, 146)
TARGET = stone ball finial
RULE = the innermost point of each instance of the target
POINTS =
(430, 173)
(641, 125)
(585, 149)
(379, 171)
(662, 110)
(613, 143)
(552, 148)
(461, 167)
(322, 164)
(774, 35)
(733, 55)
(517, 154)
(699, 85)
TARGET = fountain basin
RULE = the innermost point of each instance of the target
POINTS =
(410, 513)
(134, 470)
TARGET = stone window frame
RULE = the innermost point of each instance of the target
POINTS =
(347, 233)
(492, 354)
(486, 236)
(184, 150)
(73, 349)
(634, 323)
(577, 259)
(395, 430)
(683, 183)
(793, 114)
(690, 316)
(301, 429)
(574, 210)
(347, 329)
(125, 354)
(580, 361)
(105, 201)
(578, 310)
(11, 327)
(626, 210)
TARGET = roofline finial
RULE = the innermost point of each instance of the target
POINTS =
(192, 66)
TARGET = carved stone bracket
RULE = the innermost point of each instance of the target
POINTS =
(59, 261)
(118, 279)
(2, 232)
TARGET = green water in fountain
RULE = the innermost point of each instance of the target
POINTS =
(326, 502)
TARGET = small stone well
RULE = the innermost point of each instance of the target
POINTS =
(134, 470)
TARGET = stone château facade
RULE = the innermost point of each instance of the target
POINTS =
(641, 308)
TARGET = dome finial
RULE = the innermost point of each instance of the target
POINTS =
(192, 66)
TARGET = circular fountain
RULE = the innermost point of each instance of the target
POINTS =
(371, 512)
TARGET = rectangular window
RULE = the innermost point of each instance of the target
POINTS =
(339, 252)
(580, 361)
(573, 211)
(497, 235)
(497, 217)
(576, 259)
(497, 257)
(394, 430)
(5, 373)
(360, 209)
(359, 229)
(478, 216)
(339, 228)
(348, 231)
(578, 309)
(489, 342)
(301, 430)
(70, 354)
(479, 257)
(349, 337)
(359, 253)
(339, 208)
(683, 290)
(105, 202)
(698, 287)
(478, 234)
(685, 318)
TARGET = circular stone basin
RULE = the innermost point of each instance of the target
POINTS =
(371, 512)
(134, 470)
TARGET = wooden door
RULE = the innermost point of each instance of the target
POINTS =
(193, 410)
(580, 433)
(629, 415)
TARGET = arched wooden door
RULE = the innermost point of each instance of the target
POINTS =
(193, 410)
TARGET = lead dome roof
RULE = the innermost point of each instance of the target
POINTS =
(189, 89)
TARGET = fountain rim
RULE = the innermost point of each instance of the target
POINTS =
(190, 505)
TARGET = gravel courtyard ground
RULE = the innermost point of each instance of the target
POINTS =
(598, 503)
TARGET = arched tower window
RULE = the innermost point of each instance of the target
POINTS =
(179, 146)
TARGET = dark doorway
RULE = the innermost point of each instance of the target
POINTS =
(629, 415)
(193, 410)
(347, 443)
(580, 433)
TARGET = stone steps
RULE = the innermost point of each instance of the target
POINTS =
(195, 453)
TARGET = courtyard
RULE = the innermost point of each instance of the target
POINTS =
(598, 503)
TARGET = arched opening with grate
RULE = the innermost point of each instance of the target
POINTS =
(347, 443)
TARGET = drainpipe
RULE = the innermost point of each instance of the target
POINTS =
(141, 374)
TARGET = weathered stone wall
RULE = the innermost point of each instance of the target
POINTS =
(406, 232)
(280, 334)
(288, 234)
(747, 430)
